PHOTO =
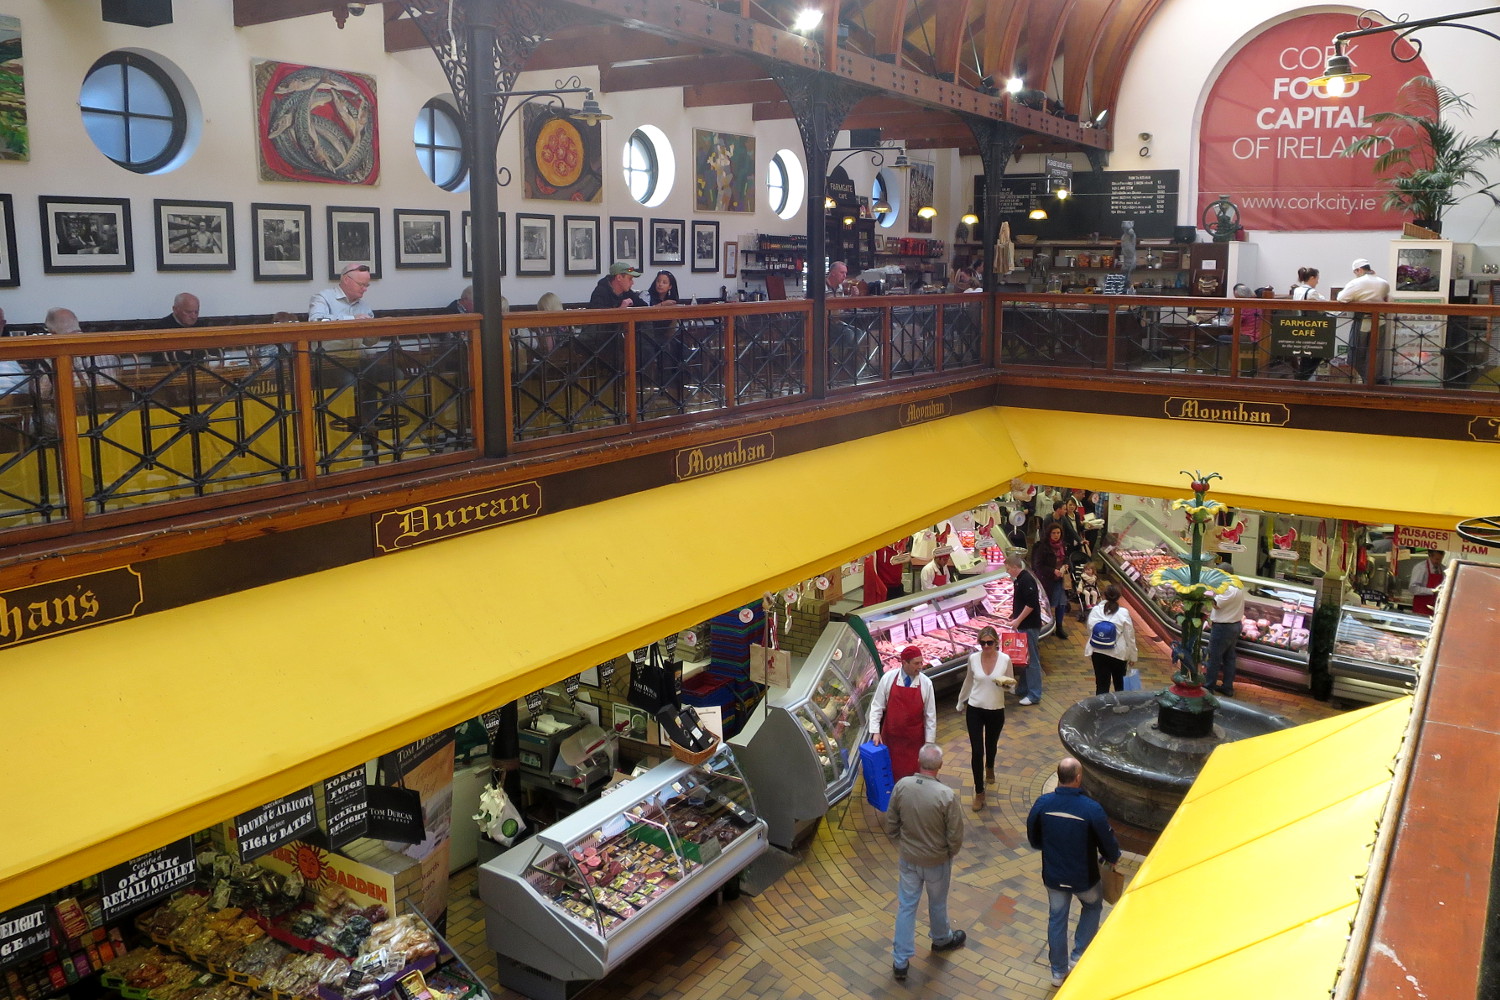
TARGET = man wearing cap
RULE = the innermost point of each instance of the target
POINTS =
(903, 713)
(614, 290)
(1365, 286)
(346, 300)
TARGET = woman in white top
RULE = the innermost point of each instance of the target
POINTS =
(1307, 288)
(1111, 641)
(982, 700)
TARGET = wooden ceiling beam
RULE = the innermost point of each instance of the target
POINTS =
(890, 119)
(1081, 40)
(771, 111)
(1043, 36)
(680, 72)
(403, 35)
(952, 28)
(713, 95)
(252, 12)
(604, 45)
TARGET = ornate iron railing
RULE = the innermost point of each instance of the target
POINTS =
(895, 337)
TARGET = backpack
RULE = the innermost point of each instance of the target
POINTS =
(1104, 635)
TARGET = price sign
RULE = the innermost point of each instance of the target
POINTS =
(960, 615)
(348, 803)
(24, 932)
(165, 870)
(273, 824)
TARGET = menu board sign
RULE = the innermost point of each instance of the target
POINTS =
(348, 806)
(24, 932)
(1101, 201)
(275, 823)
(150, 876)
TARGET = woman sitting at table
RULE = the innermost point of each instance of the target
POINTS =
(666, 347)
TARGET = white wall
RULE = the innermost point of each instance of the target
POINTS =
(63, 38)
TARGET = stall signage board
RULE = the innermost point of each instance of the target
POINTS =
(401, 529)
(347, 806)
(152, 875)
(273, 824)
(1436, 538)
(1102, 201)
(1115, 284)
(369, 886)
(24, 932)
(47, 609)
(1302, 336)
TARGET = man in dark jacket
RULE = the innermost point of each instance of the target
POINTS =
(614, 291)
(1071, 831)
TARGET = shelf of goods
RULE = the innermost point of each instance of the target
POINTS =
(801, 754)
(775, 255)
(1278, 615)
(1376, 653)
(565, 907)
(330, 950)
(1171, 262)
(943, 622)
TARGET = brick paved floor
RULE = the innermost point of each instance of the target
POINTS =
(824, 930)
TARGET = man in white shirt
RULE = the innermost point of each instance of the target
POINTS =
(1226, 619)
(1365, 286)
(1426, 577)
(903, 712)
(346, 299)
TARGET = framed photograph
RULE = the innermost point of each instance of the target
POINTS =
(731, 259)
(625, 242)
(422, 238)
(194, 235)
(353, 238)
(587, 712)
(666, 241)
(10, 273)
(469, 244)
(581, 234)
(705, 246)
(282, 235)
(534, 244)
(86, 235)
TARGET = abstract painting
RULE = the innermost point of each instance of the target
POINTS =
(561, 159)
(315, 124)
(15, 139)
(723, 171)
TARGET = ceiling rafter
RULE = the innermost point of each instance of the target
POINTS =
(1081, 40)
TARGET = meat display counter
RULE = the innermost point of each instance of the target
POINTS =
(565, 907)
(1278, 614)
(943, 622)
(1376, 653)
(800, 753)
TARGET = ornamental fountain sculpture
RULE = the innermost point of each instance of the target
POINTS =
(1141, 750)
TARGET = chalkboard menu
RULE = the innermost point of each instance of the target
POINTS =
(24, 931)
(348, 806)
(261, 830)
(150, 876)
(1100, 202)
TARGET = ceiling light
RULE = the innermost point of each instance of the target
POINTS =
(901, 162)
(969, 219)
(1037, 212)
(1062, 194)
(881, 208)
(1338, 75)
(590, 113)
(927, 212)
(807, 19)
(848, 220)
(1014, 85)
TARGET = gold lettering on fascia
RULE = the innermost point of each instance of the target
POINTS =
(401, 529)
(1485, 429)
(706, 460)
(1225, 411)
(48, 609)
(927, 409)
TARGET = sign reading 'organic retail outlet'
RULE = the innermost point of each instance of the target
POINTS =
(273, 824)
(1274, 143)
(140, 880)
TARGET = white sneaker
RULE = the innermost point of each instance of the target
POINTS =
(1058, 980)
(1027, 701)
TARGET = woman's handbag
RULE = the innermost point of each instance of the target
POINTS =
(1114, 884)
(1067, 578)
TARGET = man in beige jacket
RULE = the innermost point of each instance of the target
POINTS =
(926, 822)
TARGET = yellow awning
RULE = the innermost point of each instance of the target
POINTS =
(1420, 482)
(122, 738)
(1251, 890)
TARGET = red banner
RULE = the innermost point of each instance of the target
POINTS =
(1274, 143)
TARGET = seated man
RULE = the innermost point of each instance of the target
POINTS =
(614, 290)
(465, 301)
(61, 321)
(184, 314)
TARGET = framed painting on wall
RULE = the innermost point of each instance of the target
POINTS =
(534, 244)
(315, 124)
(10, 273)
(86, 235)
(422, 238)
(353, 238)
(282, 238)
(723, 171)
(194, 235)
(919, 190)
(561, 158)
(731, 259)
(625, 242)
(705, 246)
(581, 235)
(469, 244)
(666, 241)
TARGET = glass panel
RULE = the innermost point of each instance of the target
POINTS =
(146, 94)
(104, 89)
(445, 130)
(421, 132)
(840, 720)
(108, 133)
(148, 138)
(445, 166)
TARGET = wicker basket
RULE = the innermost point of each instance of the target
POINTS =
(687, 756)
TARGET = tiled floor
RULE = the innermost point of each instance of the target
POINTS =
(824, 930)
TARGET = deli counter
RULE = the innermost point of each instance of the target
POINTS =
(1278, 614)
(801, 752)
(567, 906)
(1376, 653)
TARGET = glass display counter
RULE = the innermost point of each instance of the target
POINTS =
(943, 622)
(568, 905)
(800, 752)
(1278, 615)
(1376, 653)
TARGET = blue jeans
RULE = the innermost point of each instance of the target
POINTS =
(1222, 637)
(1058, 595)
(1030, 685)
(908, 894)
(1059, 901)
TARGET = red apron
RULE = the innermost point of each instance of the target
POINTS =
(1425, 604)
(904, 726)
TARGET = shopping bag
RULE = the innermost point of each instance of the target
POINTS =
(771, 667)
(498, 817)
(1114, 884)
(1132, 680)
(654, 681)
(1014, 645)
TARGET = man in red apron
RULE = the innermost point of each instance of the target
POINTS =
(1426, 576)
(903, 713)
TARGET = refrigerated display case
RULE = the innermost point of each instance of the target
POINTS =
(1376, 653)
(801, 752)
(943, 622)
(565, 907)
(1278, 615)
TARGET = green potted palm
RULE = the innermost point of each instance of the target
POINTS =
(1426, 162)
